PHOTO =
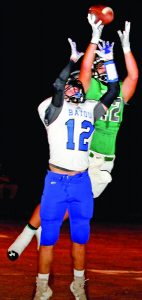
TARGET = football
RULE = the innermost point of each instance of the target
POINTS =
(103, 13)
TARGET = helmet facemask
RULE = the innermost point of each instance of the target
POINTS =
(97, 64)
(78, 96)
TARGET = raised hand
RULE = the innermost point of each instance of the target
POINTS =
(124, 37)
(75, 54)
(96, 28)
(105, 50)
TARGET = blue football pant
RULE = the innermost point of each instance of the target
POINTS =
(62, 192)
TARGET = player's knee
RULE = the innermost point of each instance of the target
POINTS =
(80, 233)
(48, 240)
(49, 234)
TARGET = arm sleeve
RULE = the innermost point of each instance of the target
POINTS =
(54, 109)
(107, 99)
(59, 85)
(112, 93)
(112, 84)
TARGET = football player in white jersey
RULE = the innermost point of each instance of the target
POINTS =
(69, 122)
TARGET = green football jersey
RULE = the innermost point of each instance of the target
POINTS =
(106, 128)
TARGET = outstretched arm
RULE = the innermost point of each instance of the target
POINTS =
(89, 56)
(106, 53)
(130, 82)
(60, 82)
(56, 104)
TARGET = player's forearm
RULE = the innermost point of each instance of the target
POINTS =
(63, 76)
(112, 84)
(67, 70)
(88, 58)
(131, 80)
(59, 85)
(113, 90)
(106, 100)
(86, 66)
(112, 93)
(131, 66)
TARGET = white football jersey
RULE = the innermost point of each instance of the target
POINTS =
(70, 134)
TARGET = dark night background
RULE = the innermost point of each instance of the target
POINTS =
(33, 50)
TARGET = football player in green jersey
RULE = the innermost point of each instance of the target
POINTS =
(103, 145)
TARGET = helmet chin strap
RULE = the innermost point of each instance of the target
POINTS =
(77, 98)
(102, 77)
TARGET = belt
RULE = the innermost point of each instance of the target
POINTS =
(106, 158)
(60, 168)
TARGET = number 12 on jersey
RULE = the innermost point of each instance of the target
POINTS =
(82, 137)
